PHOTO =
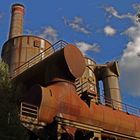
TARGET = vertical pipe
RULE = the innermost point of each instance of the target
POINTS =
(16, 25)
(111, 83)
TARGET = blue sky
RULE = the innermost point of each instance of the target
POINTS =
(104, 30)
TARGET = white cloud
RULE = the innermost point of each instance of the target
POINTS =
(113, 12)
(84, 47)
(77, 24)
(130, 62)
(49, 33)
(109, 31)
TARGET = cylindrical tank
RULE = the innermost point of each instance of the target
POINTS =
(18, 50)
(88, 80)
(110, 75)
(16, 25)
(67, 63)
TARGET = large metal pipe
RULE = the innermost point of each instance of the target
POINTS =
(16, 26)
(110, 75)
(68, 64)
(60, 99)
(115, 121)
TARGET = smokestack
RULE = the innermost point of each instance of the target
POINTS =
(16, 26)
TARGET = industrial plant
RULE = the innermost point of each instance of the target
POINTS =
(62, 99)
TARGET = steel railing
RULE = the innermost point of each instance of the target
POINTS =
(83, 87)
(39, 57)
(28, 113)
(118, 105)
(29, 117)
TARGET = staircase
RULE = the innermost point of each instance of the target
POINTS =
(84, 86)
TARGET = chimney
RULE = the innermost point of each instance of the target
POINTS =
(16, 26)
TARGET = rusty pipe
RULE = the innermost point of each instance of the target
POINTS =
(60, 99)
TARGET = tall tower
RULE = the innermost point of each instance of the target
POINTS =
(16, 26)
(19, 48)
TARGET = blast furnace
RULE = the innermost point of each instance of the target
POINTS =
(62, 96)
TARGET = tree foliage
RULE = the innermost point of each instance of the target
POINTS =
(10, 126)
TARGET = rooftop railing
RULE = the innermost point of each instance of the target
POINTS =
(39, 57)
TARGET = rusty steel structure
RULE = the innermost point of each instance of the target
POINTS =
(26, 47)
(62, 99)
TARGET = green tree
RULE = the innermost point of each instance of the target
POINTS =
(10, 126)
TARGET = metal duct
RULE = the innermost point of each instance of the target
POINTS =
(110, 75)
